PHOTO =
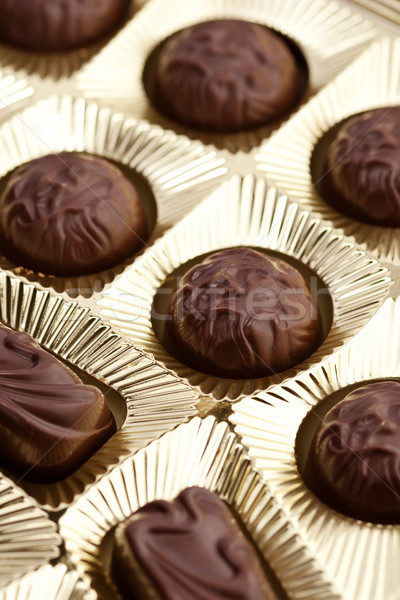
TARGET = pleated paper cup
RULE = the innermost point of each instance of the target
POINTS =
(177, 173)
(200, 453)
(145, 398)
(360, 558)
(28, 538)
(57, 583)
(328, 34)
(15, 93)
(372, 81)
(248, 212)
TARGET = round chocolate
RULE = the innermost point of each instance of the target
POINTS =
(242, 314)
(226, 76)
(70, 214)
(52, 25)
(354, 459)
(363, 168)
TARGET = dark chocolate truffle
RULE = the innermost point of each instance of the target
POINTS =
(189, 548)
(362, 168)
(53, 25)
(50, 422)
(70, 214)
(354, 460)
(226, 76)
(242, 314)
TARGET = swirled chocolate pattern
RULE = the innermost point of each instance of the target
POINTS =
(50, 422)
(242, 314)
(354, 459)
(70, 214)
(363, 168)
(226, 76)
(58, 24)
(188, 549)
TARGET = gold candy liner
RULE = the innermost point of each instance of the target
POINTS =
(144, 397)
(372, 81)
(28, 539)
(57, 66)
(360, 558)
(329, 35)
(14, 93)
(57, 583)
(247, 212)
(179, 172)
(200, 453)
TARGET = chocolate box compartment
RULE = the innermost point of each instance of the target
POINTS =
(371, 81)
(145, 398)
(55, 582)
(201, 453)
(247, 212)
(327, 34)
(360, 557)
(28, 538)
(172, 173)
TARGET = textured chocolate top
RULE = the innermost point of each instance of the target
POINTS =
(242, 314)
(70, 214)
(58, 24)
(193, 548)
(354, 459)
(363, 168)
(50, 422)
(226, 76)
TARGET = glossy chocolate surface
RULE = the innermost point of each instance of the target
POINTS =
(363, 168)
(354, 459)
(226, 76)
(50, 423)
(242, 314)
(191, 548)
(70, 214)
(52, 25)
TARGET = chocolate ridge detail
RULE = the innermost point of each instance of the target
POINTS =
(353, 463)
(50, 422)
(192, 548)
(242, 314)
(226, 76)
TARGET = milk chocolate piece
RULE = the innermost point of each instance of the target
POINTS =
(191, 548)
(226, 76)
(70, 214)
(52, 25)
(354, 459)
(362, 168)
(50, 422)
(242, 314)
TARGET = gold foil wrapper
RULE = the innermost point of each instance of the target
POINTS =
(200, 453)
(28, 539)
(372, 81)
(144, 397)
(329, 35)
(179, 172)
(247, 212)
(360, 558)
(57, 583)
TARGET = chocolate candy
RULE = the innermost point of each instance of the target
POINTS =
(362, 168)
(50, 422)
(189, 548)
(58, 24)
(226, 76)
(354, 459)
(70, 214)
(242, 314)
